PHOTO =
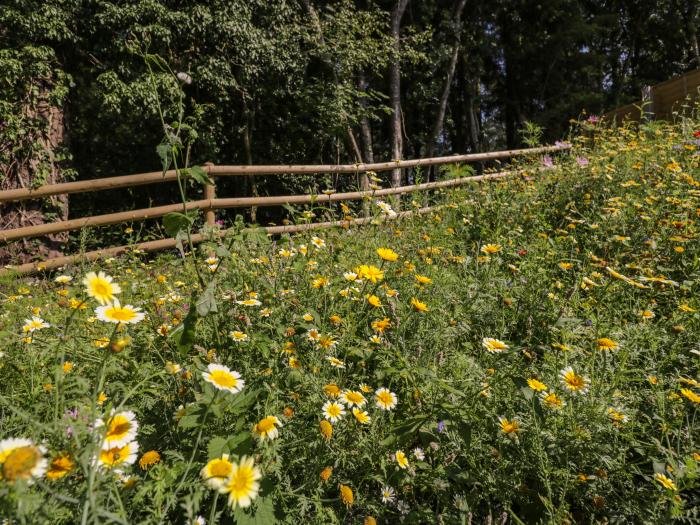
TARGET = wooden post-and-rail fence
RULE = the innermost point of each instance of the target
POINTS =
(211, 202)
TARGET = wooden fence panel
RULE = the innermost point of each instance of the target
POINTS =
(666, 98)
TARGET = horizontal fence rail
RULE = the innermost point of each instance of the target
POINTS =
(142, 179)
(211, 202)
(222, 203)
(164, 244)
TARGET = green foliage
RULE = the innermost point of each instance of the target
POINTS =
(553, 264)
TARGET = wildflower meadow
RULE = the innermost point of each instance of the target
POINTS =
(527, 352)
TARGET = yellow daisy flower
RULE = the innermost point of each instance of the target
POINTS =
(100, 287)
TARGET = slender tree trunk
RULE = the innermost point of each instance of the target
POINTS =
(692, 29)
(442, 106)
(474, 123)
(395, 89)
(250, 183)
(365, 127)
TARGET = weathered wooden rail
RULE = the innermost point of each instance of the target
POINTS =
(211, 202)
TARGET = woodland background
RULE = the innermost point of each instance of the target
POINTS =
(308, 81)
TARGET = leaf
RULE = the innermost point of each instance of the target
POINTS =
(198, 174)
(217, 446)
(241, 444)
(184, 340)
(180, 238)
(176, 222)
(262, 513)
(242, 401)
(206, 302)
(165, 154)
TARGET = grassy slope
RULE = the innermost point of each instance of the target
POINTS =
(632, 211)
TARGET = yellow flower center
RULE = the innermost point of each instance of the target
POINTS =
(384, 398)
(119, 426)
(223, 379)
(575, 382)
(220, 468)
(265, 426)
(120, 314)
(241, 482)
(354, 397)
(20, 463)
(101, 287)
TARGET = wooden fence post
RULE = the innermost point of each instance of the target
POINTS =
(210, 194)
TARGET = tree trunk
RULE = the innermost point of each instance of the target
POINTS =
(250, 184)
(395, 89)
(691, 26)
(41, 166)
(365, 127)
(442, 106)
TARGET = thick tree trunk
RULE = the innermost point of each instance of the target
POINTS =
(395, 89)
(40, 167)
(444, 97)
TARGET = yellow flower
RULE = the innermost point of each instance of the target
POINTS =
(690, 395)
(100, 287)
(333, 411)
(494, 346)
(422, 279)
(387, 254)
(606, 344)
(536, 385)
(381, 325)
(352, 397)
(119, 456)
(509, 427)
(217, 471)
(116, 313)
(385, 399)
(326, 473)
(149, 459)
(665, 481)
(68, 367)
(60, 466)
(401, 459)
(331, 390)
(242, 485)
(419, 306)
(552, 401)
(120, 429)
(223, 378)
(573, 382)
(35, 323)
(101, 398)
(374, 301)
(326, 429)
(566, 265)
(238, 336)
(371, 273)
(346, 495)
(20, 458)
(267, 428)
(490, 249)
(361, 416)
(319, 282)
